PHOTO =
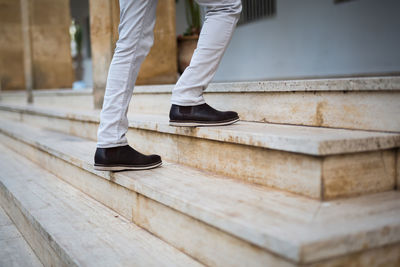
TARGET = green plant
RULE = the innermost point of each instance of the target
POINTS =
(78, 38)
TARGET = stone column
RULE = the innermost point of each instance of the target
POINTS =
(11, 46)
(35, 34)
(52, 61)
(159, 67)
(26, 22)
(104, 19)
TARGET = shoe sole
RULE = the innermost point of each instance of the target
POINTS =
(125, 167)
(198, 123)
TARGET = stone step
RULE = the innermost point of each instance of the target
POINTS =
(353, 103)
(51, 98)
(65, 227)
(14, 251)
(221, 221)
(321, 163)
(369, 103)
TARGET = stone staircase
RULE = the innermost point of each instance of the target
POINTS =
(272, 190)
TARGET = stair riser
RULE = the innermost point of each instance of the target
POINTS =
(13, 98)
(350, 110)
(170, 225)
(388, 256)
(56, 99)
(317, 177)
(365, 110)
(14, 250)
(42, 244)
(325, 177)
(207, 244)
(79, 102)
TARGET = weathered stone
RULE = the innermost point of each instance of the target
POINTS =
(345, 175)
(52, 61)
(75, 229)
(104, 19)
(387, 256)
(358, 103)
(269, 227)
(398, 169)
(160, 66)
(26, 21)
(11, 46)
(317, 162)
(14, 251)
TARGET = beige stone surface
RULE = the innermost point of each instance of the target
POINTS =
(294, 227)
(291, 138)
(398, 169)
(357, 103)
(13, 98)
(291, 172)
(384, 83)
(272, 158)
(103, 17)
(331, 84)
(160, 66)
(52, 62)
(352, 110)
(80, 230)
(52, 98)
(9, 115)
(375, 110)
(69, 99)
(354, 174)
(370, 103)
(388, 256)
(14, 251)
(205, 242)
(11, 46)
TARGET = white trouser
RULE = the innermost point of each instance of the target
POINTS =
(137, 19)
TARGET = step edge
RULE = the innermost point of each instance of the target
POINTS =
(301, 248)
(354, 84)
(54, 242)
(346, 84)
(24, 251)
(36, 227)
(146, 191)
(320, 148)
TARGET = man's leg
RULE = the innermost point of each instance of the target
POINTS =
(220, 22)
(137, 19)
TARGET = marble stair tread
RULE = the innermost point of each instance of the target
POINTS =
(378, 83)
(295, 227)
(388, 83)
(14, 251)
(317, 141)
(80, 230)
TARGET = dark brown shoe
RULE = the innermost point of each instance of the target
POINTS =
(200, 115)
(124, 158)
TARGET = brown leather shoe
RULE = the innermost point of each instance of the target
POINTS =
(200, 115)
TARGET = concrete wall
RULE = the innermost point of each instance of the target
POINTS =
(312, 38)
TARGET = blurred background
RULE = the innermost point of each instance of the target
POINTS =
(69, 43)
